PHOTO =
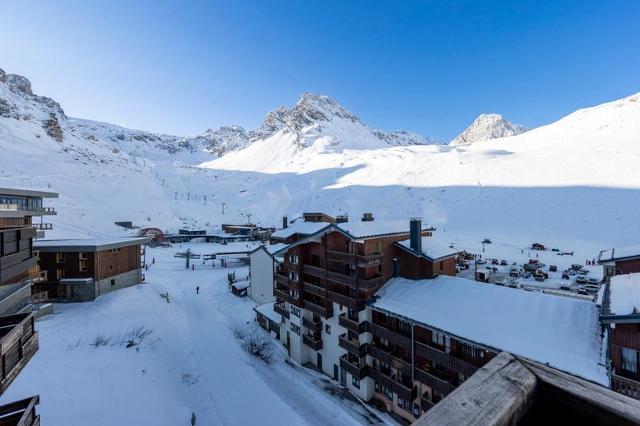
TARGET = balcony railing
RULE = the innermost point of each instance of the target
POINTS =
(358, 369)
(351, 258)
(390, 359)
(42, 226)
(19, 342)
(315, 326)
(280, 309)
(20, 413)
(392, 336)
(408, 392)
(316, 271)
(343, 300)
(313, 289)
(286, 281)
(434, 382)
(425, 404)
(355, 326)
(326, 311)
(446, 360)
(625, 386)
(314, 342)
(281, 294)
(355, 348)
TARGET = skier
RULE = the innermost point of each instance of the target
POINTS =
(197, 289)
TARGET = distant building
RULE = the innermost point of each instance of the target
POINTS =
(617, 261)
(82, 269)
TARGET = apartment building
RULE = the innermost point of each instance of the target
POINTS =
(18, 258)
(79, 270)
(619, 301)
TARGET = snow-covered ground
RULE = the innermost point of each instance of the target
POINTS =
(189, 362)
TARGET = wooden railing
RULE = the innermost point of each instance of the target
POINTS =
(358, 369)
(326, 311)
(434, 382)
(446, 360)
(407, 392)
(625, 386)
(314, 342)
(280, 309)
(281, 294)
(343, 300)
(355, 326)
(389, 359)
(351, 258)
(355, 348)
(20, 413)
(315, 326)
(313, 289)
(18, 344)
(392, 336)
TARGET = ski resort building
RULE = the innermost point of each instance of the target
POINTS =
(624, 260)
(18, 258)
(619, 301)
(83, 269)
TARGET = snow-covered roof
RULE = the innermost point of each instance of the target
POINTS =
(304, 228)
(274, 248)
(622, 296)
(266, 309)
(374, 228)
(241, 285)
(87, 244)
(560, 331)
(619, 253)
(432, 248)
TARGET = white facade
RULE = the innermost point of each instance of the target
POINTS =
(261, 272)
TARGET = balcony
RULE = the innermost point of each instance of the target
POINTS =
(355, 326)
(408, 392)
(444, 359)
(281, 294)
(340, 278)
(390, 359)
(392, 336)
(20, 413)
(343, 300)
(280, 309)
(19, 342)
(425, 404)
(434, 382)
(315, 271)
(314, 342)
(286, 281)
(313, 289)
(42, 226)
(314, 326)
(352, 258)
(371, 283)
(326, 311)
(625, 386)
(354, 348)
(294, 267)
(358, 369)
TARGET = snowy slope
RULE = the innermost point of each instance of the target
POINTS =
(486, 127)
(574, 182)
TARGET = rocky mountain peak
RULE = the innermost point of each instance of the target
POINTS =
(486, 127)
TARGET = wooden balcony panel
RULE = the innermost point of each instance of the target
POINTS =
(316, 327)
(313, 289)
(314, 271)
(20, 413)
(355, 326)
(314, 342)
(390, 359)
(446, 360)
(281, 294)
(325, 311)
(434, 382)
(17, 346)
(425, 404)
(355, 348)
(280, 309)
(358, 370)
(343, 300)
(407, 392)
(625, 386)
(392, 336)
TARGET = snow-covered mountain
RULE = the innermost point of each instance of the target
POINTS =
(576, 180)
(486, 127)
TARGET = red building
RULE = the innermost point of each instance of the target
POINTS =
(625, 260)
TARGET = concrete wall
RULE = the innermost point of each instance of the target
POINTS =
(116, 282)
(261, 267)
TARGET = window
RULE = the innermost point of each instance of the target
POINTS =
(400, 402)
(437, 337)
(355, 382)
(327, 328)
(82, 256)
(315, 260)
(295, 328)
(293, 276)
(295, 311)
(111, 267)
(629, 360)
(59, 274)
(118, 250)
(441, 266)
(59, 257)
(295, 294)
(113, 282)
(82, 266)
(293, 259)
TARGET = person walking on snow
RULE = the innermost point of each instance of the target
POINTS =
(197, 289)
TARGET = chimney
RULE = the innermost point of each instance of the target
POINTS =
(396, 267)
(285, 222)
(367, 217)
(415, 229)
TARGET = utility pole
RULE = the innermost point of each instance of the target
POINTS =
(223, 204)
(248, 218)
(205, 200)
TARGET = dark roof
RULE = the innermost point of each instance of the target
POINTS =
(28, 193)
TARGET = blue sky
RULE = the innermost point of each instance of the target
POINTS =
(424, 66)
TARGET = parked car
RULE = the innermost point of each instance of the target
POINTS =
(564, 285)
(593, 281)
(530, 267)
(565, 276)
(480, 261)
(576, 267)
(582, 291)
(553, 268)
(503, 262)
(582, 272)
(590, 288)
(581, 280)
(515, 272)
(494, 261)
(538, 277)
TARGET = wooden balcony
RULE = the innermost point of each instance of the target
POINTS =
(281, 294)
(444, 359)
(20, 413)
(434, 382)
(343, 300)
(286, 281)
(315, 271)
(313, 289)
(326, 311)
(395, 338)
(352, 258)
(355, 348)
(18, 344)
(294, 267)
(349, 324)
(390, 359)
(359, 369)
(43, 226)
(280, 309)
(315, 326)
(425, 404)
(402, 390)
(625, 386)
(314, 342)
(370, 283)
